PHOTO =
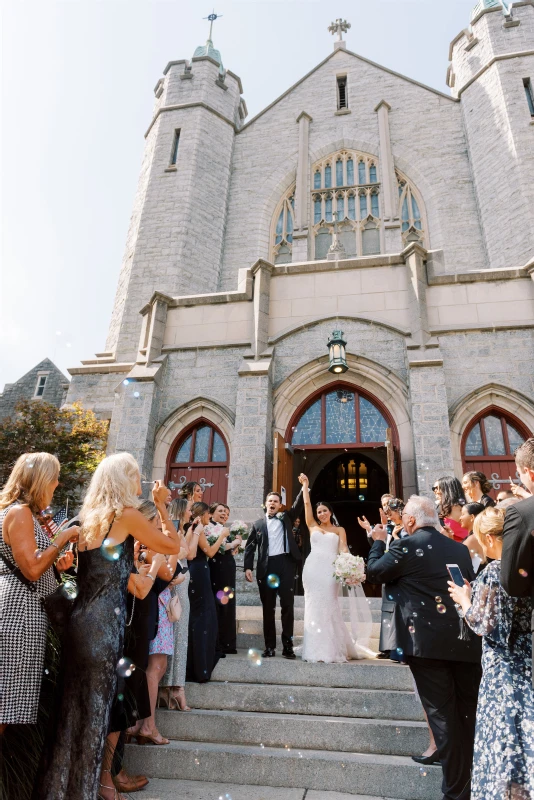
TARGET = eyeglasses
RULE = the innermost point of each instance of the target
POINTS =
(435, 488)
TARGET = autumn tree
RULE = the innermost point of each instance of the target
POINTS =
(72, 433)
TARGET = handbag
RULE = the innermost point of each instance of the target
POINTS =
(174, 609)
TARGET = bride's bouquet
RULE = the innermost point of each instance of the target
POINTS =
(349, 570)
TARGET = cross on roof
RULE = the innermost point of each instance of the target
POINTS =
(212, 17)
(340, 26)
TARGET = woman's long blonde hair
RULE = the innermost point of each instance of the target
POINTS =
(113, 488)
(29, 480)
(490, 521)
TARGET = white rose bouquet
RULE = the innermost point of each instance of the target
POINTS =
(349, 570)
(239, 528)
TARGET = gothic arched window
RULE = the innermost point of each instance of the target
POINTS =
(282, 237)
(200, 454)
(354, 199)
(410, 211)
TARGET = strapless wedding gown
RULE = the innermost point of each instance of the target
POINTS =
(326, 637)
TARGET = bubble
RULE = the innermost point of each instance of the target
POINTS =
(136, 394)
(47, 672)
(254, 657)
(404, 549)
(291, 698)
(300, 755)
(361, 498)
(120, 697)
(110, 551)
(69, 344)
(318, 630)
(219, 595)
(197, 761)
(390, 597)
(262, 746)
(429, 546)
(411, 629)
(273, 581)
(58, 333)
(29, 463)
(422, 772)
(117, 610)
(70, 590)
(125, 667)
(414, 614)
(422, 602)
(438, 599)
(400, 651)
(441, 608)
(126, 382)
(419, 552)
(523, 573)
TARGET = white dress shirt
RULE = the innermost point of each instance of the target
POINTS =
(275, 530)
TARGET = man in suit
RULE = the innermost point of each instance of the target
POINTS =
(446, 668)
(517, 560)
(278, 555)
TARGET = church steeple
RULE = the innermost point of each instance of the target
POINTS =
(208, 48)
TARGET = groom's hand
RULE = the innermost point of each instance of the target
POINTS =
(248, 575)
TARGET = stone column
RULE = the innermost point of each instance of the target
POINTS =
(300, 233)
(261, 271)
(389, 180)
(430, 422)
(414, 257)
(250, 467)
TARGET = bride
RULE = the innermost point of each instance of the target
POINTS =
(326, 637)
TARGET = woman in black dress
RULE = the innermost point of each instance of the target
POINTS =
(202, 655)
(79, 764)
(477, 488)
(223, 574)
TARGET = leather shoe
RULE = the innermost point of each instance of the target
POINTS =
(433, 758)
(288, 652)
(269, 652)
(129, 783)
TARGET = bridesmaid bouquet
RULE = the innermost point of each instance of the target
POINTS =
(349, 570)
(237, 528)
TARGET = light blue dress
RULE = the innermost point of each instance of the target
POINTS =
(176, 664)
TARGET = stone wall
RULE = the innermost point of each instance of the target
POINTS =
(55, 390)
(96, 391)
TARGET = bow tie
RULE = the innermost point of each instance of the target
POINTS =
(273, 516)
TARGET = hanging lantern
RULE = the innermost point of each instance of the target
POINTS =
(338, 360)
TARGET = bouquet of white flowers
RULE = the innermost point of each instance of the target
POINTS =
(237, 528)
(349, 570)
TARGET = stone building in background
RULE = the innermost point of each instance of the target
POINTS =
(360, 200)
(44, 382)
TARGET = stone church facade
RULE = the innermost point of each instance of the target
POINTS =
(362, 201)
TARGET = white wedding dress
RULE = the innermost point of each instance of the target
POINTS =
(326, 636)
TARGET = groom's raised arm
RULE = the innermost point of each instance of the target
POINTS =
(250, 549)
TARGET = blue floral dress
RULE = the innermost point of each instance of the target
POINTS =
(503, 763)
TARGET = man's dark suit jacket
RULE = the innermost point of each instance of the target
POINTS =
(259, 537)
(517, 561)
(415, 577)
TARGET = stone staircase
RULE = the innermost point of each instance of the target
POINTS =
(319, 727)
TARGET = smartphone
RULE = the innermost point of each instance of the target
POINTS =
(456, 574)
(176, 523)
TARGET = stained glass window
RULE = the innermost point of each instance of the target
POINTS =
(374, 206)
(352, 207)
(328, 209)
(283, 232)
(340, 208)
(328, 176)
(202, 444)
(184, 453)
(317, 180)
(308, 429)
(410, 212)
(473, 445)
(405, 215)
(372, 424)
(363, 206)
(279, 227)
(494, 437)
(317, 210)
(416, 214)
(339, 173)
(340, 418)
(219, 448)
(350, 172)
(372, 174)
(362, 178)
(514, 437)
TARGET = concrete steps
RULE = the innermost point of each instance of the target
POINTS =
(355, 773)
(257, 642)
(160, 789)
(256, 612)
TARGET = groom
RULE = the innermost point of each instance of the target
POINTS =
(275, 571)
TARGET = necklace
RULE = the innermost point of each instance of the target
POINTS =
(131, 615)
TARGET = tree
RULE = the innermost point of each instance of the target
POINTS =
(72, 433)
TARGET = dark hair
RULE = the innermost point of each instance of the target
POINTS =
(326, 505)
(215, 506)
(452, 494)
(177, 508)
(199, 509)
(524, 455)
(187, 489)
(479, 477)
(396, 504)
(474, 508)
(276, 494)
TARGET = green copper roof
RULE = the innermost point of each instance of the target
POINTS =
(483, 4)
(209, 50)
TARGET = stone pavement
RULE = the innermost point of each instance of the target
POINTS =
(200, 790)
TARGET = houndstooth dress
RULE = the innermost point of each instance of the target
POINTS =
(23, 627)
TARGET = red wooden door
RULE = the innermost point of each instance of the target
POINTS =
(213, 478)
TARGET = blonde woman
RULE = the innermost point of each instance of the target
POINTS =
(503, 763)
(27, 557)
(79, 765)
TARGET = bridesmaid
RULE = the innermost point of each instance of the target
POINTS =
(223, 575)
(202, 655)
(80, 762)
(191, 491)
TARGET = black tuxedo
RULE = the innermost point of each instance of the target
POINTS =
(426, 627)
(283, 566)
(517, 561)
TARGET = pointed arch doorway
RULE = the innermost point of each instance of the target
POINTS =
(346, 441)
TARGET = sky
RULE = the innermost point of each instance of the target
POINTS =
(77, 81)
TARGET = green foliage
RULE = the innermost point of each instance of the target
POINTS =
(73, 434)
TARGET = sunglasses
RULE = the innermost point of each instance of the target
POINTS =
(435, 488)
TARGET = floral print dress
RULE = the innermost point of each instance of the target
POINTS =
(503, 763)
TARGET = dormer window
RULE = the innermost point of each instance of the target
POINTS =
(41, 383)
(342, 92)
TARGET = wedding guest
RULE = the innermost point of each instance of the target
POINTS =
(505, 494)
(467, 519)
(202, 655)
(27, 558)
(503, 763)
(477, 488)
(517, 566)
(80, 763)
(172, 686)
(223, 577)
(450, 498)
(191, 491)
(446, 669)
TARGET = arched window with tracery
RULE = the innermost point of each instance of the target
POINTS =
(200, 453)
(413, 228)
(282, 234)
(489, 443)
(346, 184)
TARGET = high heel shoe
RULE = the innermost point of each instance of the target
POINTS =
(433, 758)
(143, 739)
(165, 698)
(179, 699)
